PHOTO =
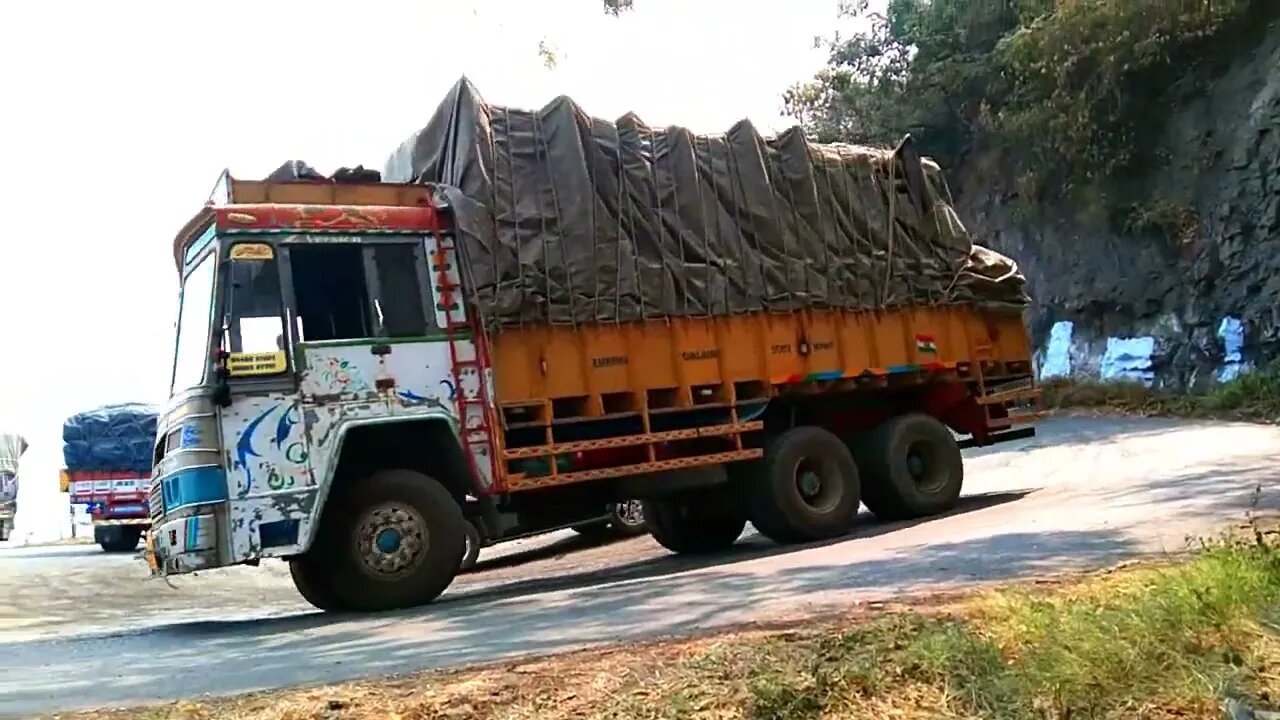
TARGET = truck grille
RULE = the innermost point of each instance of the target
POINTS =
(155, 503)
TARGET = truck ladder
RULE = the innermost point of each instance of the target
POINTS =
(467, 361)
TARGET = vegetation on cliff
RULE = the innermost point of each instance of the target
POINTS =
(1252, 397)
(1068, 94)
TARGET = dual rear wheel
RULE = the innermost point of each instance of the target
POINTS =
(809, 484)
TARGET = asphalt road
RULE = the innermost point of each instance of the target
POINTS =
(1083, 494)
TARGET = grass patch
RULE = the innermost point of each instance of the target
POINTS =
(1149, 641)
(1254, 396)
(1168, 642)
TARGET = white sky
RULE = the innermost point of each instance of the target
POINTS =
(118, 117)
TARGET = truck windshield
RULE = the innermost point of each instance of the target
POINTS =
(195, 305)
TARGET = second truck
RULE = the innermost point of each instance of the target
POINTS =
(12, 447)
(527, 315)
(107, 452)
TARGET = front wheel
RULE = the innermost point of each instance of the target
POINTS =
(397, 542)
(313, 582)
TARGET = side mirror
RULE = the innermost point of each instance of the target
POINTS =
(221, 383)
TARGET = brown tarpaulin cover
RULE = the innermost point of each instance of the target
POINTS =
(566, 218)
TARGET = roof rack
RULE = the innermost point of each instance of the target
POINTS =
(231, 191)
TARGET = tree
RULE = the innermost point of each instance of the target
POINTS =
(921, 66)
(1069, 93)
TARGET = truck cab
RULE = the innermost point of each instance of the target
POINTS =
(318, 343)
(301, 325)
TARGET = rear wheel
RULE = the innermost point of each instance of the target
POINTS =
(697, 522)
(397, 543)
(806, 488)
(471, 549)
(912, 467)
(118, 538)
(626, 519)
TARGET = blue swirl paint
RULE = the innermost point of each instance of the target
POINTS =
(244, 447)
(284, 426)
(410, 396)
(452, 391)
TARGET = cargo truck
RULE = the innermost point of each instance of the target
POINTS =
(12, 447)
(107, 452)
(528, 314)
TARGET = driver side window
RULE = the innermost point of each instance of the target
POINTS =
(255, 309)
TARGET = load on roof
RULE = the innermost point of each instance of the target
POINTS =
(112, 438)
(566, 218)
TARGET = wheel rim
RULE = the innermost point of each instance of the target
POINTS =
(629, 513)
(469, 546)
(925, 467)
(816, 487)
(390, 540)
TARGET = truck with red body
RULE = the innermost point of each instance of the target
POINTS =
(107, 455)
(528, 315)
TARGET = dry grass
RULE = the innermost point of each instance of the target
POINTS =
(1167, 640)
(1252, 397)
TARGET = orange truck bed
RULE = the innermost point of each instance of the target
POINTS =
(555, 376)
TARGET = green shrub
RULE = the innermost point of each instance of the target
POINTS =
(1070, 92)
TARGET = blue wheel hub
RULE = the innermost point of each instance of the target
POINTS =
(915, 465)
(388, 540)
(391, 539)
(810, 484)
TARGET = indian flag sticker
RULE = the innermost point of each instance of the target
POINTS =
(925, 344)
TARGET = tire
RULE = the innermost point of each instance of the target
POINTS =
(118, 538)
(397, 541)
(471, 548)
(312, 580)
(912, 467)
(626, 519)
(806, 487)
(695, 523)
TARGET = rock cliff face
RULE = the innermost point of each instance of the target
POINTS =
(1210, 248)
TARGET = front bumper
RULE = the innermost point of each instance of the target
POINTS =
(183, 545)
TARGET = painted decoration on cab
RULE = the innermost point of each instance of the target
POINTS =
(271, 453)
(341, 376)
